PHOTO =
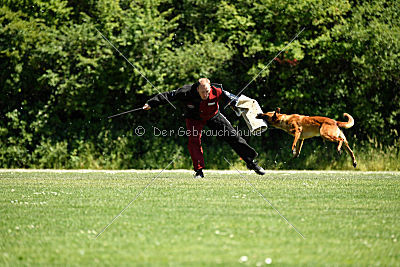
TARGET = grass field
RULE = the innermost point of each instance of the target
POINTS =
(52, 218)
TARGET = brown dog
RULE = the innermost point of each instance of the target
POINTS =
(303, 127)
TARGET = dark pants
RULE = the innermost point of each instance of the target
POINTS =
(224, 131)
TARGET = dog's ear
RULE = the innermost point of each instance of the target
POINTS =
(274, 117)
(277, 111)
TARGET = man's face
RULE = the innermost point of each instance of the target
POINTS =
(204, 90)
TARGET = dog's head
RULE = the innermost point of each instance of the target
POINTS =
(270, 117)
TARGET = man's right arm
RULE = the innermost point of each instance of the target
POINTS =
(166, 97)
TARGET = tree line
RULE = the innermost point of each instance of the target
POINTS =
(60, 79)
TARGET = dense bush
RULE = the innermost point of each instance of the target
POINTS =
(60, 80)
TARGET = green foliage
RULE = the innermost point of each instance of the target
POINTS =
(60, 79)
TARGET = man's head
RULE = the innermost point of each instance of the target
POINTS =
(204, 88)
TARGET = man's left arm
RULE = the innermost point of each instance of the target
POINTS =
(229, 98)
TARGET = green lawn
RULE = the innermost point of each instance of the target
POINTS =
(347, 218)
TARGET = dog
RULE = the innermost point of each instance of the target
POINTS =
(303, 127)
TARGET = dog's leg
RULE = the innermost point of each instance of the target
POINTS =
(332, 138)
(341, 135)
(331, 134)
(297, 134)
(299, 145)
(340, 147)
(348, 149)
(326, 133)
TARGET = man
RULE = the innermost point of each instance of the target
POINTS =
(201, 102)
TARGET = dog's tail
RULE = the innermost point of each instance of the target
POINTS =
(347, 124)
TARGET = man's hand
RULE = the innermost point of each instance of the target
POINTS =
(146, 107)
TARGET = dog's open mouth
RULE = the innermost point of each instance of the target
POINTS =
(260, 116)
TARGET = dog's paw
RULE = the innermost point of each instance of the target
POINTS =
(355, 164)
(259, 116)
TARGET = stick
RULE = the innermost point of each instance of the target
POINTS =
(132, 110)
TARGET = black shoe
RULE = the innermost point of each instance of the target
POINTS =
(252, 165)
(199, 174)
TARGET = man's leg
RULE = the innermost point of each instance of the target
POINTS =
(194, 128)
(227, 133)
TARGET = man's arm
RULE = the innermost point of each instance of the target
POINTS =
(162, 98)
(166, 97)
(229, 98)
